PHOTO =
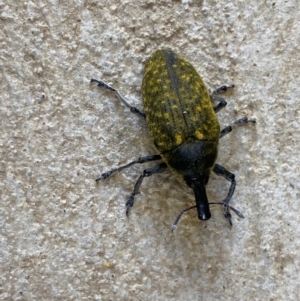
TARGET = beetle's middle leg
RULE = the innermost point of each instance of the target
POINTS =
(146, 173)
(214, 96)
(140, 160)
(241, 121)
(105, 86)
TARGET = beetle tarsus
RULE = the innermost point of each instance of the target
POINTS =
(238, 122)
(222, 89)
(103, 177)
(129, 203)
(227, 215)
(102, 85)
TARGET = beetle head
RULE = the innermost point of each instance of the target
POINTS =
(194, 160)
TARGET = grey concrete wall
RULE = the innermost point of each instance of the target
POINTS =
(63, 237)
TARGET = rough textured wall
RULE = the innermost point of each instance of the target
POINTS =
(63, 237)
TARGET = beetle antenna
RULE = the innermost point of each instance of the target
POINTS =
(174, 226)
(237, 212)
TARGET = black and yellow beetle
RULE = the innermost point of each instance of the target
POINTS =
(183, 126)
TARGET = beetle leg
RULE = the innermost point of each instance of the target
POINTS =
(241, 121)
(221, 171)
(140, 160)
(147, 173)
(214, 96)
(105, 86)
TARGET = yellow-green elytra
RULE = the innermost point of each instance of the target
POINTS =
(183, 126)
(177, 104)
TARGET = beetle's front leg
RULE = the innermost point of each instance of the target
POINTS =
(147, 173)
(221, 171)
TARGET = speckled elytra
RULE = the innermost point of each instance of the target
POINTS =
(183, 127)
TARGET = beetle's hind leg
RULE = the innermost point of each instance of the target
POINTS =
(105, 86)
(223, 172)
(241, 121)
(146, 173)
(214, 96)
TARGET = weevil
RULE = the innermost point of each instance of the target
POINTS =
(184, 128)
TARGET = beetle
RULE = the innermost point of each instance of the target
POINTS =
(183, 126)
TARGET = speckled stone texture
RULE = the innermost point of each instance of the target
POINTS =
(62, 236)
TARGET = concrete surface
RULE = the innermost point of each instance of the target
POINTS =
(63, 237)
